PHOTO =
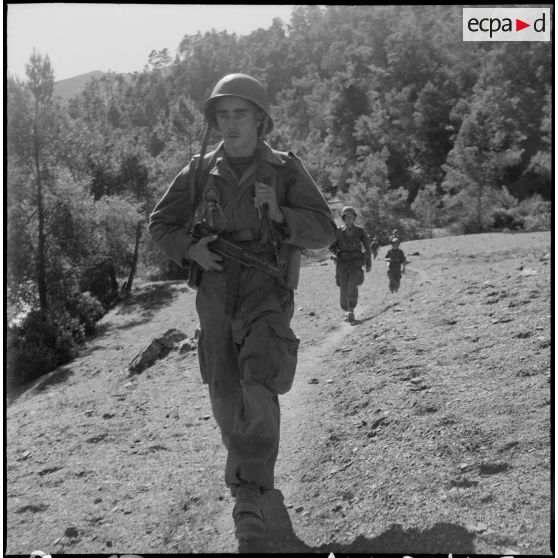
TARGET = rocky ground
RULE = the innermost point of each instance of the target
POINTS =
(424, 427)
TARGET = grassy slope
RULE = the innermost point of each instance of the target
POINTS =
(427, 429)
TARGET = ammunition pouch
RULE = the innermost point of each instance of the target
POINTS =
(346, 255)
(195, 273)
(351, 257)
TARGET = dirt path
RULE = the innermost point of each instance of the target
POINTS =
(422, 428)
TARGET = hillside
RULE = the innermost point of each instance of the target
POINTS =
(423, 428)
(70, 87)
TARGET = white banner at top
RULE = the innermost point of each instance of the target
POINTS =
(506, 24)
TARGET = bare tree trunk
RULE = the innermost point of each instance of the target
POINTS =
(41, 264)
(479, 207)
(41, 256)
(128, 285)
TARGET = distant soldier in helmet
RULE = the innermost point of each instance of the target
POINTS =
(396, 265)
(374, 247)
(351, 251)
(264, 204)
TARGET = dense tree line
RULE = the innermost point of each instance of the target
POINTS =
(389, 108)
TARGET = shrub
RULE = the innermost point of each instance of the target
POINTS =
(537, 222)
(457, 228)
(42, 342)
(26, 361)
(100, 280)
(409, 229)
(506, 219)
(87, 309)
(536, 213)
(45, 340)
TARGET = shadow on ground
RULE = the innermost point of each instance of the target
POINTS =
(152, 298)
(39, 385)
(377, 314)
(106, 331)
(441, 538)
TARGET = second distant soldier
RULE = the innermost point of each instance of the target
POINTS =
(375, 246)
(396, 266)
(351, 251)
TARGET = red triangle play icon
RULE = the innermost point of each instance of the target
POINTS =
(519, 25)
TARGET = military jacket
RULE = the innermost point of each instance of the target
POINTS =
(308, 219)
(396, 257)
(352, 244)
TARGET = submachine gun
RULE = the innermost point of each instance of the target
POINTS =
(231, 251)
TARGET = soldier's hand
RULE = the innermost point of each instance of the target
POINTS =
(203, 256)
(265, 195)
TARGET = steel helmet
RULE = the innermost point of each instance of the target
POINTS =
(395, 241)
(239, 85)
(347, 209)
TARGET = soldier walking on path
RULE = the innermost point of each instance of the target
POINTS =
(351, 251)
(238, 216)
(396, 265)
(374, 247)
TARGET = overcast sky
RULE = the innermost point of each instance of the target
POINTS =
(81, 38)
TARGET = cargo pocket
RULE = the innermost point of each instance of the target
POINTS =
(202, 357)
(268, 355)
(285, 349)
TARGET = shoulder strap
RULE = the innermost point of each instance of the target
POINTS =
(199, 176)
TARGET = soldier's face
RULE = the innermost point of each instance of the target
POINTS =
(349, 219)
(238, 121)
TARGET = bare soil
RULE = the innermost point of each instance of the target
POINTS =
(424, 427)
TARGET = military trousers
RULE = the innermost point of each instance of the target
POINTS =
(247, 359)
(349, 275)
(394, 274)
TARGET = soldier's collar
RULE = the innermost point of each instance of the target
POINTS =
(267, 154)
